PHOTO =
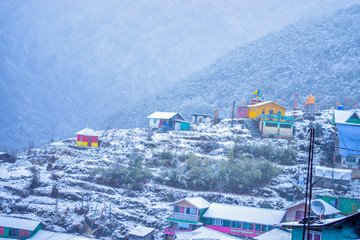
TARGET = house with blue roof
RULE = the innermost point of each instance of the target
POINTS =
(347, 139)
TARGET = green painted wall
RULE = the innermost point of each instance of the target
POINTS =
(349, 205)
(185, 126)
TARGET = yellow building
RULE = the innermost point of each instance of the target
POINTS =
(267, 107)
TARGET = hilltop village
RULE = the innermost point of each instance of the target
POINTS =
(237, 174)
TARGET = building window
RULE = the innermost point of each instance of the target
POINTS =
(251, 226)
(271, 112)
(13, 232)
(315, 235)
(154, 120)
(350, 159)
(268, 124)
(263, 111)
(263, 228)
(217, 222)
(235, 224)
(299, 215)
(81, 139)
(24, 233)
(183, 226)
(285, 126)
(176, 208)
(1, 230)
(191, 211)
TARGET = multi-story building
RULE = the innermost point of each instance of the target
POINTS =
(186, 216)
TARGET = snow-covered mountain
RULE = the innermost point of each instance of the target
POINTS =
(139, 172)
(65, 64)
(318, 55)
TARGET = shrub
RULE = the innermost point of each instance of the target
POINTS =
(167, 159)
(35, 178)
(132, 176)
(208, 146)
(286, 156)
(234, 175)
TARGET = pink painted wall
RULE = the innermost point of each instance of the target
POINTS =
(242, 112)
(244, 232)
(85, 138)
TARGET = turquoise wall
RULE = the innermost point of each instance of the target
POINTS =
(346, 233)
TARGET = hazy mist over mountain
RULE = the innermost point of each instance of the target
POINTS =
(68, 64)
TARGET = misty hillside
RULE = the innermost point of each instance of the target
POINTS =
(319, 56)
(66, 64)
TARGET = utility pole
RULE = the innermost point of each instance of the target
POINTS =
(232, 113)
(309, 185)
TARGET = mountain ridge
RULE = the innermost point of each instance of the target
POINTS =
(318, 56)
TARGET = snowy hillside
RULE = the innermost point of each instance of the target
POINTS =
(317, 55)
(65, 64)
(136, 173)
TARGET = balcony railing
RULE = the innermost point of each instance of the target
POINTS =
(186, 217)
(171, 231)
(276, 117)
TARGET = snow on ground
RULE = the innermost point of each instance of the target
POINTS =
(81, 201)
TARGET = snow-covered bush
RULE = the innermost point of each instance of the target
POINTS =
(280, 155)
(133, 176)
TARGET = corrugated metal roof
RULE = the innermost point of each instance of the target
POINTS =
(330, 173)
(204, 233)
(197, 202)
(43, 234)
(88, 132)
(163, 115)
(244, 214)
(141, 231)
(275, 234)
(19, 223)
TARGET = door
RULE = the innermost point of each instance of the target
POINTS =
(89, 141)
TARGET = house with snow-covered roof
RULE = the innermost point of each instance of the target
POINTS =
(87, 138)
(18, 228)
(347, 139)
(296, 212)
(47, 235)
(241, 220)
(275, 234)
(142, 233)
(186, 215)
(167, 121)
(204, 233)
(200, 118)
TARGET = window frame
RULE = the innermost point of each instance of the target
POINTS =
(217, 222)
